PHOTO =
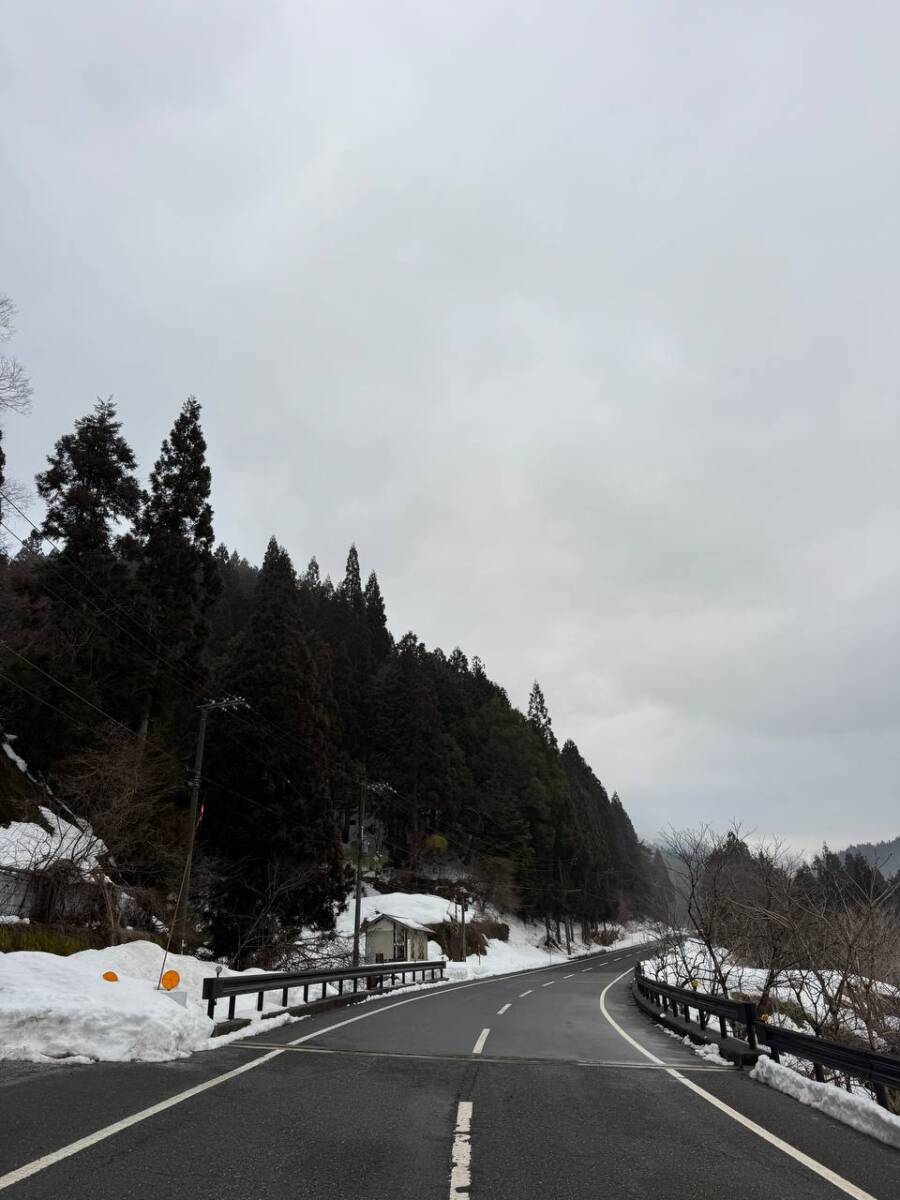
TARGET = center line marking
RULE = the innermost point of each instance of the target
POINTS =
(461, 1154)
(583, 969)
(572, 976)
(550, 984)
(501, 1011)
(528, 993)
(482, 1038)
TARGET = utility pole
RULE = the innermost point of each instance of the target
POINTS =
(462, 908)
(180, 922)
(361, 818)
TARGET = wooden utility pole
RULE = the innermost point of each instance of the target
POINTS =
(181, 914)
(361, 818)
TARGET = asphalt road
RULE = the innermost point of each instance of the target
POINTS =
(534, 1085)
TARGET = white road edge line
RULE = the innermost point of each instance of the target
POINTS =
(523, 994)
(461, 1154)
(501, 1011)
(843, 1185)
(48, 1160)
(482, 1038)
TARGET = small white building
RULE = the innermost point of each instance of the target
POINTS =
(394, 939)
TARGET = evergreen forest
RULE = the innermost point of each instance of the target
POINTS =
(121, 615)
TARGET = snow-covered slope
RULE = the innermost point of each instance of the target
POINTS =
(28, 846)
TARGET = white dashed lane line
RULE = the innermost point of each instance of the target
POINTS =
(572, 976)
(583, 969)
(550, 984)
(523, 994)
(501, 1011)
(482, 1038)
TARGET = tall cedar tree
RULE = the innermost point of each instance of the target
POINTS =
(177, 576)
(77, 595)
(380, 640)
(538, 715)
(279, 855)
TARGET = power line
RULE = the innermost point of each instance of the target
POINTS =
(129, 732)
(177, 672)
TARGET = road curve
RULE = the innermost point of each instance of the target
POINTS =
(546, 1084)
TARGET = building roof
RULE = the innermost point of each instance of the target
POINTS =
(404, 921)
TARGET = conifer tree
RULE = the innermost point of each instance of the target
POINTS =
(539, 717)
(78, 592)
(177, 576)
(283, 854)
(380, 640)
(351, 589)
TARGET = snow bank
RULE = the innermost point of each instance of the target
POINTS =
(54, 1007)
(864, 1115)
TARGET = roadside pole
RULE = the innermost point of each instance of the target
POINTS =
(462, 907)
(181, 913)
(181, 921)
(361, 818)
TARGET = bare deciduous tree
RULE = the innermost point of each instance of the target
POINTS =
(15, 387)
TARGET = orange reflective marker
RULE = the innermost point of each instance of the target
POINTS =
(170, 980)
(110, 976)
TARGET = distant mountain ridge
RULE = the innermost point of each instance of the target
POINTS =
(884, 855)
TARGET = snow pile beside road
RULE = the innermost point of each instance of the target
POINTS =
(862, 1114)
(54, 1007)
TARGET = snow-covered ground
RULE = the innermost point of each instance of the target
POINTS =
(60, 1008)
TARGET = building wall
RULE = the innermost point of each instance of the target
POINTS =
(382, 938)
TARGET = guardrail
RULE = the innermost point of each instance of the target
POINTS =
(217, 987)
(740, 1013)
(879, 1071)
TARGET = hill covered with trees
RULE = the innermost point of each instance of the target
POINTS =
(119, 616)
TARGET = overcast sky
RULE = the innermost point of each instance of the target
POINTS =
(580, 319)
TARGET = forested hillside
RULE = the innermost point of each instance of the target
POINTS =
(120, 616)
(883, 855)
